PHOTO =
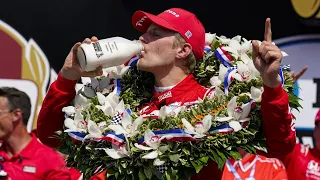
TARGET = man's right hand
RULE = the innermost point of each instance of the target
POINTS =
(72, 70)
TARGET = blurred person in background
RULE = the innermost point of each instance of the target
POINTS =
(303, 163)
(22, 156)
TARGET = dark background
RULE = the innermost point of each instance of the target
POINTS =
(57, 25)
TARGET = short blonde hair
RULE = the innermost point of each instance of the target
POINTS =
(191, 59)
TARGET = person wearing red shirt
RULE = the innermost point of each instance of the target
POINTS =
(253, 166)
(303, 163)
(173, 41)
(22, 156)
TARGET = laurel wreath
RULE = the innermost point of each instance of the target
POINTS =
(174, 159)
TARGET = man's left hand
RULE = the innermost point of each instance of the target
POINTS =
(267, 58)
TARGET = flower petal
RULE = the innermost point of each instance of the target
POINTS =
(256, 94)
(118, 129)
(231, 106)
(80, 100)
(137, 122)
(210, 37)
(254, 72)
(101, 98)
(145, 148)
(69, 110)
(151, 155)
(147, 137)
(223, 119)
(78, 87)
(113, 99)
(126, 121)
(94, 130)
(94, 83)
(85, 80)
(69, 123)
(235, 125)
(124, 70)
(120, 107)
(237, 76)
(214, 81)
(187, 125)
(103, 83)
(113, 153)
(158, 162)
(88, 92)
(246, 108)
(222, 72)
(207, 121)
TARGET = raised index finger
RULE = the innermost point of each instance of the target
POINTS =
(267, 31)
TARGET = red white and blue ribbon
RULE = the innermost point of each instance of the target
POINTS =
(109, 136)
(116, 139)
(77, 136)
(225, 128)
(117, 85)
(207, 48)
(224, 57)
(281, 76)
(176, 134)
(132, 62)
(228, 78)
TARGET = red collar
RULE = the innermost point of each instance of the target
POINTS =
(172, 95)
(27, 152)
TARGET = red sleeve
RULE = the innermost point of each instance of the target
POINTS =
(280, 172)
(56, 167)
(277, 122)
(51, 117)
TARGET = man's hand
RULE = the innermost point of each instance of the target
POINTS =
(267, 58)
(296, 76)
(72, 70)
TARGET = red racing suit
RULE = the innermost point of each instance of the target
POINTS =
(303, 163)
(277, 121)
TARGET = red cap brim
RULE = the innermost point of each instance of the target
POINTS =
(142, 20)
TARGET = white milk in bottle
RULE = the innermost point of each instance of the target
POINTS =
(107, 52)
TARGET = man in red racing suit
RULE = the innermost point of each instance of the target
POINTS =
(178, 86)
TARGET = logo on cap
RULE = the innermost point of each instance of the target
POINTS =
(141, 21)
(172, 12)
(188, 34)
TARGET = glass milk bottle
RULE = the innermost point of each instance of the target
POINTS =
(107, 52)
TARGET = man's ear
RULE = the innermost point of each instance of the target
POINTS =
(184, 51)
(17, 115)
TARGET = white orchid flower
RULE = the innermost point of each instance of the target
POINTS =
(127, 127)
(223, 39)
(94, 130)
(236, 114)
(256, 93)
(215, 81)
(209, 38)
(77, 124)
(200, 129)
(218, 93)
(238, 50)
(254, 73)
(93, 85)
(170, 111)
(117, 152)
(243, 72)
(222, 72)
(116, 72)
(108, 103)
(153, 141)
